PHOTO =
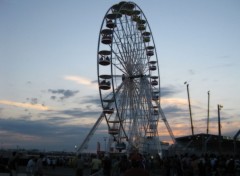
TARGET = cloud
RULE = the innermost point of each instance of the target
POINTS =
(95, 82)
(78, 80)
(33, 101)
(65, 93)
(23, 126)
(82, 81)
(168, 91)
(25, 105)
(17, 136)
(215, 119)
(92, 100)
(173, 109)
(48, 133)
(76, 112)
(53, 97)
(179, 101)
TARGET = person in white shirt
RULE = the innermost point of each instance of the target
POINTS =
(31, 167)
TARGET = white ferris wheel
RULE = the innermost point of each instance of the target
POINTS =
(129, 81)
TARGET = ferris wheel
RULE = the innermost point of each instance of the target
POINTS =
(128, 75)
(128, 79)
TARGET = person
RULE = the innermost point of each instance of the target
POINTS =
(95, 164)
(107, 166)
(12, 164)
(115, 170)
(136, 170)
(54, 162)
(31, 167)
(124, 164)
(39, 166)
(80, 166)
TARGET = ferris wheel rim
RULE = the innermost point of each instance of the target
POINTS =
(125, 75)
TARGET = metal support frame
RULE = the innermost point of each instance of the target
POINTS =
(164, 119)
(91, 133)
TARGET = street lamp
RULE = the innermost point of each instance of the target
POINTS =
(189, 104)
(208, 112)
(219, 128)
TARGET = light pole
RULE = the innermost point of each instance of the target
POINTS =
(208, 112)
(219, 128)
(189, 104)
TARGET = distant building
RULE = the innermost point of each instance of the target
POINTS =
(207, 143)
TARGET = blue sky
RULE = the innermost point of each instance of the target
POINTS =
(48, 50)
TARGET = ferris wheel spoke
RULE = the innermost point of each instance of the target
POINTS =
(121, 60)
(122, 109)
(123, 69)
(134, 39)
(145, 106)
(132, 53)
(129, 29)
(140, 102)
(127, 38)
(120, 44)
(125, 34)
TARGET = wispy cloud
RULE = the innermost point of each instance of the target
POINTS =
(81, 80)
(173, 101)
(17, 136)
(25, 105)
(33, 101)
(65, 93)
(168, 91)
(48, 133)
(78, 80)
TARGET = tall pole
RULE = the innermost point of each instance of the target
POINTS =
(219, 129)
(189, 104)
(208, 112)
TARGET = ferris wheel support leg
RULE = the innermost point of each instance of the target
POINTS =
(90, 134)
(167, 125)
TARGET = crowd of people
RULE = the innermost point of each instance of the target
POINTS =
(115, 165)
(178, 165)
(31, 165)
(34, 165)
(203, 165)
(135, 164)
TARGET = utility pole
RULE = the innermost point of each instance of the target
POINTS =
(189, 104)
(234, 141)
(208, 112)
(219, 129)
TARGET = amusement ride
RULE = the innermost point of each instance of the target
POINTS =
(129, 82)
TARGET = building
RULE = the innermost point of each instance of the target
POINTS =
(207, 143)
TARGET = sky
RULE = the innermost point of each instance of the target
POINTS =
(49, 99)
